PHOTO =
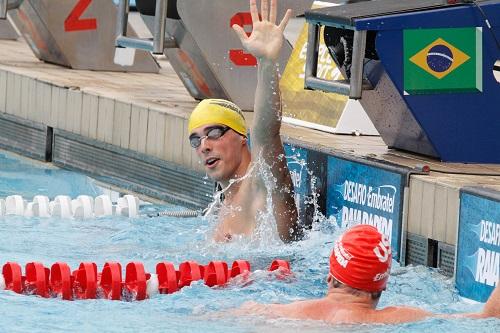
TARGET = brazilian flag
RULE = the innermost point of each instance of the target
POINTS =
(443, 60)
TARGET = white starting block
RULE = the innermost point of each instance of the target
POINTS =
(72, 33)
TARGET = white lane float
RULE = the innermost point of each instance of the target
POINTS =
(41, 206)
(61, 207)
(2, 282)
(152, 285)
(2, 207)
(103, 206)
(88, 205)
(14, 205)
(28, 210)
(83, 207)
(128, 206)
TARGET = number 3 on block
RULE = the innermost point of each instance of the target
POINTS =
(238, 56)
(73, 21)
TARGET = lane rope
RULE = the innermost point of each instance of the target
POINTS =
(87, 283)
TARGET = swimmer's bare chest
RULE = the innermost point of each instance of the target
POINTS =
(238, 213)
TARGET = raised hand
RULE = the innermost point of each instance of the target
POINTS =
(266, 38)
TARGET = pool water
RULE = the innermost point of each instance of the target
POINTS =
(196, 308)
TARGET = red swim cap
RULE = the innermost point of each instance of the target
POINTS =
(361, 258)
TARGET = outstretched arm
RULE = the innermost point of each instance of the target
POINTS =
(265, 44)
(491, 309)
(492, 306)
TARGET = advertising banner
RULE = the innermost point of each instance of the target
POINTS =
(478, 247)
(360, 193)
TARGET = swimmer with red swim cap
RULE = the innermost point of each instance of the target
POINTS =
(218, 135)
(360, 264)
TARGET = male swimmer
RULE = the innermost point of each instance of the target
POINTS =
(359, 269)
(218, 133)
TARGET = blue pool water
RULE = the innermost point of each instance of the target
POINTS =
(196, 308)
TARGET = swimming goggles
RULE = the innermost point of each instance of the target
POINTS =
(213, 133)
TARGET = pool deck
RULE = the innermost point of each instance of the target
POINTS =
(147, 114)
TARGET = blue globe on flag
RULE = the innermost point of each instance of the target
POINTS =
(439, 58)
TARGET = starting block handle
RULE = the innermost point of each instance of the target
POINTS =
(352, 87)
(122, 20)
(158, 44)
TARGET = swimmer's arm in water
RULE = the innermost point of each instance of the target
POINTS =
(265, 44)
(491, 309)
(492, 306)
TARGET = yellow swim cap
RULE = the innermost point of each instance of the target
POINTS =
(218, 111)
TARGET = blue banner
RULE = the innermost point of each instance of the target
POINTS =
(364, 194)
(478, 249)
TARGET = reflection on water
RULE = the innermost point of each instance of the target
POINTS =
(195, 308)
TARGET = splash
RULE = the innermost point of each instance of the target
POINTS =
(265, 234)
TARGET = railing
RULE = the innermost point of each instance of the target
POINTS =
(352, 87)
(158, 44)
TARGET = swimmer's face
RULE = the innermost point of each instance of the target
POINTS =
(220, 151)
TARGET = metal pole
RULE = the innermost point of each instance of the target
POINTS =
(159, 27)
(3, 9)
(358, 57)
(134, 43)
(312, 51)
(122, 20)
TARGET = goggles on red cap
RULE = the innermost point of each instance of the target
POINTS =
(361, 259)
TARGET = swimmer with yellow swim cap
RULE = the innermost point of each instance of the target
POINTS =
(218, 132)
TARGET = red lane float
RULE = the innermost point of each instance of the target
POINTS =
(167, 278)
(216, 274)
(135, 280)
(13, 277)
(282, 265)
(85, 282)
(61, 281)
(240, 267)
(111, 281)
(189, 271)
(37, 279)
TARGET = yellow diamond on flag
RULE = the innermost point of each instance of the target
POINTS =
(439, 58)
